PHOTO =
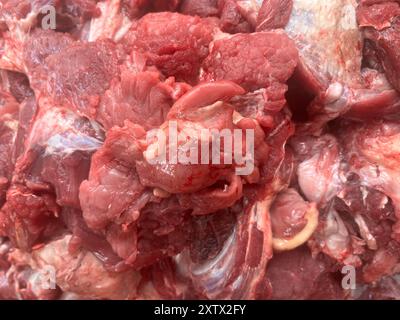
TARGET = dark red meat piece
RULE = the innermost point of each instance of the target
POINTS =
(57, 154)
(274, 14)
(28, 217)
(42, 44)
(17, 84)
(80, 81)
(82, 189)
(141, 98)
(381, 24)
(253, 61)
(9, 109)
(164, 40)
(296, 275)
(201, 8)
(234, 18)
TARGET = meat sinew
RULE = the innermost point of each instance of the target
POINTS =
(199, 149)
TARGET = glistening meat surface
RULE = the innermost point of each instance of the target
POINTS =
(200, 149)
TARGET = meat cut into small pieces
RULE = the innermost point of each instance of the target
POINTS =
(312, 283)
(82, 79)
(241, 241)
(49, 171)
(17, 84)
(202, 8)
(253, 61)
(8, 129)
(341, 84)
(375, 145)
(112, 185)
(114, 202)
(42, 44)
(196, 110)
(381, 25)
(199, 149)
(57, 154)
(140, 98)
(274, 14)
(175, 52)
(318, 170)
(27, 217)
(319, 29)
(293, 220)
(80, 272)
(237, 271)
(235, 18)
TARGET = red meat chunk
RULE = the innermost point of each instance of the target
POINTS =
(163, 37)
(254, 61)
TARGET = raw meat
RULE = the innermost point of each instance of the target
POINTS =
(211, 149)
(163, 38)
(201, 8)
(380, 23)
(17, 84)
(140, 97)
(273, 60)
(274, 14)
(8, 129)
(80, 272)
(95, 65)
(312, 283)
(340, 84)
(234, 16)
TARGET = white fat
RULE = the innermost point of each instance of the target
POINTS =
(111, 24)
(334, 92)
(160, 193)
(302, 237)
(349, 17)
(337, 237)
(11, 124)
(123, 30)
(69, 143)
(261, 213)
(327, 36)
(365, 233)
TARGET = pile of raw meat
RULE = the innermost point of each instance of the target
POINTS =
(317, 81)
